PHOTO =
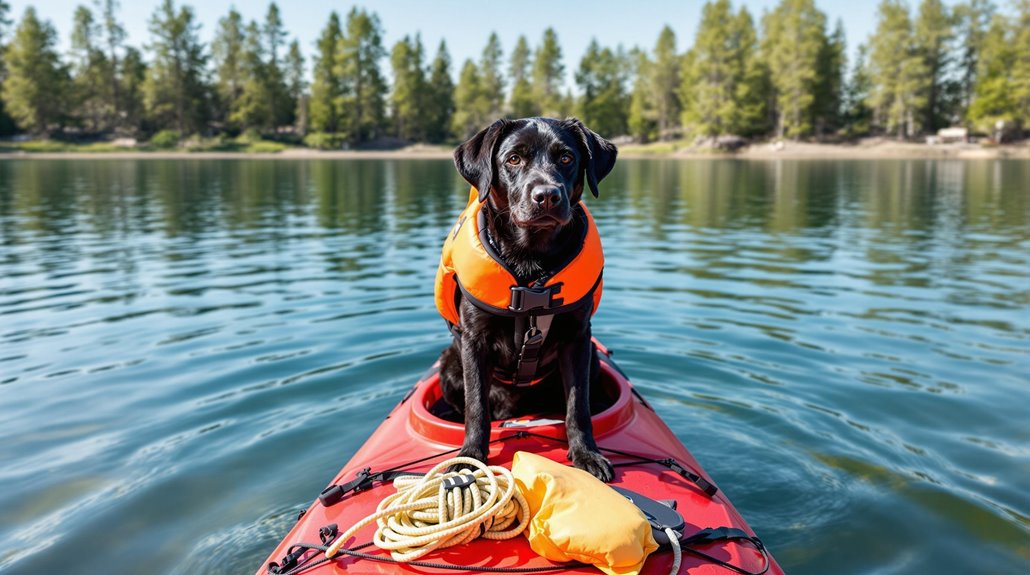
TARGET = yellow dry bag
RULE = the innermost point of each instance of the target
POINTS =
(576, 517)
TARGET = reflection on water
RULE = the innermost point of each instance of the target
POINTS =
(190, 349)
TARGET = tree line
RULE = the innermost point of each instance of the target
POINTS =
(784, 75)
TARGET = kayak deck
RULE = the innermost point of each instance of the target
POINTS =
(411, 432)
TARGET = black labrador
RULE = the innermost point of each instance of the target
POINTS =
(535, 170)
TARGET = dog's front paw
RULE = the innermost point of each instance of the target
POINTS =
(474, 454)
(593, 463)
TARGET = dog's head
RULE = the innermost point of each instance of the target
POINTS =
(535, 168)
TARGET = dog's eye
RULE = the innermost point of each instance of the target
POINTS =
(514, 160)
(565, 159)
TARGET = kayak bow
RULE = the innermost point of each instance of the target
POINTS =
(649, 460)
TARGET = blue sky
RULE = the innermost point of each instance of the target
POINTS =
(466, 25)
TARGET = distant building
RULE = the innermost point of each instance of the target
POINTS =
(953, 135)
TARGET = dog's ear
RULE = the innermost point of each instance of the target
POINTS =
(474, 159)
(600, 154)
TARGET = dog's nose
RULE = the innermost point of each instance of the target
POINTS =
(546, 196)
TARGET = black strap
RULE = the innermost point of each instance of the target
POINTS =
(703, 484)
(304, 556)
(710, 535)
(529, 340)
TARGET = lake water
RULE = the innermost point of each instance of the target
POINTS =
(190, 350)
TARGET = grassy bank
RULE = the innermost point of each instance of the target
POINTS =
(873, 148)
(63, 147)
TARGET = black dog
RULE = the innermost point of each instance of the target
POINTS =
(532, 173)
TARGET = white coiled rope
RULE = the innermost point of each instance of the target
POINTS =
(426, 514)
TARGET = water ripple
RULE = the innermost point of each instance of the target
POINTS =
(844, 346)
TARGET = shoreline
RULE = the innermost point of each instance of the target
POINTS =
(878, 150)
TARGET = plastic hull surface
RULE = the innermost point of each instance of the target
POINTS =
(410, 432)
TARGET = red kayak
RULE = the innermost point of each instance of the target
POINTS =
(648, 461)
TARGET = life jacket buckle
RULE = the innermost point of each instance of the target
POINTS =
(524, 299)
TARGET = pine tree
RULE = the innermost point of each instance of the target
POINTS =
(642, 116)
(407, 100)
(829, 84)
(754, 93)
(548, 72)
(89, 70)
(113, 38)
(132, 74)
(1001, 93)
(296, 87)
(471, 104)
(897, 74)
(933, 36)
(363, 102)
(493, 76)
(795, 32)
(710, 73)
(972, 19)
(6, 122)
(724, 84)
(665, 83)
(602, 79)
(280, 106)
(230, 72)
(5, 23)
(521, 103)
(175, 92)
(1021, 66)
(326, 87)
(254, 108)
(857, 115)
(440, 105)
(36, 83)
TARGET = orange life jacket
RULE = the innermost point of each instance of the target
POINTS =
(470, 268)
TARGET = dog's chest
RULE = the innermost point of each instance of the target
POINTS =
(501, 335)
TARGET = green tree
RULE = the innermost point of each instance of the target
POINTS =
(5, 22)
(493, 75)
(175, 92)
(548, 72)
(361, 49)
(521, 102)
(408, 98)
(1002, 91)
(972, 19)
(228, 56)
(665, 82)
(827, 104)
(132, 74)
(279, 104)
(91, 97)
(857, 115)
(897, 73)
(6, 122)
(254, 108)
(1021, 66)
(724, 84)
(471, 104)
(602, 77)
(440, 96)
(755, 93)
(36, 83)
(326, 87)
(296, 87)
(795, 33)
(113, 37)
(933, 35)
(642, 117)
